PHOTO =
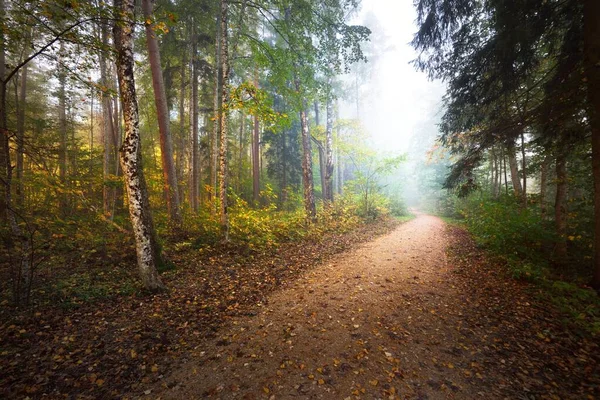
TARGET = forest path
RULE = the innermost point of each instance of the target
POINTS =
(374, 322)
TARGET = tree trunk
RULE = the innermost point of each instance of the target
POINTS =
(328, 190)
(514, 169)
(5, 166)
(591, 23)
(307, 174)
(321, 154)
(141, 219)
(256, 159)
(494, 172)
(21, 274)
(91, 143)
(21, 134)
(162, 113)
(223, 114)
(63, 205)
(195, 183)
(321, 150)
(180, 160)
(560, 212)
(117, 198)
(504, 169)
(108, 133)
(284, 192)
(217, 118)
(241, 151)
(524, 167)
(543, 186)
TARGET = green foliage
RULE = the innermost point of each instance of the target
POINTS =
(505, 229)
(580, 304)
(524, 242)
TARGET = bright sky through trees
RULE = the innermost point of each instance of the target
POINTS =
(398, 97)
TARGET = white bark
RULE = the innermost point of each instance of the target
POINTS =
(141, 219)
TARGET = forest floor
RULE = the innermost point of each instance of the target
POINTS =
(385, 311)
(418, 313)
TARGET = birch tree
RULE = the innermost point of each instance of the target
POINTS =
(148, 254)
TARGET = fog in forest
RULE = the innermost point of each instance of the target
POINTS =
(398, 106)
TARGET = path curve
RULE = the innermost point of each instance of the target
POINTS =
(367, 324)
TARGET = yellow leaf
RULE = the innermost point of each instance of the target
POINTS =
(154, 368)
(374, 382)
(133, 353)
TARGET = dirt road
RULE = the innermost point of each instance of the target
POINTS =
(386, 320)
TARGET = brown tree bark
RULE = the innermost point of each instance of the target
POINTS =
(543, 186)
(223, 115)
(284, 190)
(256, 155)
(504, 169)
(195, 180)
(148, 254)
(240, 151)
(21, 135)
(523, 170)
(214, 158)
(591, 40)
(5, 166)
(180, 156)
(21, 274)
(108, 133)
(162, 112)
(63, 205)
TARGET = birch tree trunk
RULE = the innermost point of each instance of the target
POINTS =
(591, 40)
(321, 150)
(307, 174)
(117, 194)
(162, 112)
(141, 219)
(223, 114)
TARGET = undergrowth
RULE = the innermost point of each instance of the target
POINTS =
(523, 242)
(89, 261)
